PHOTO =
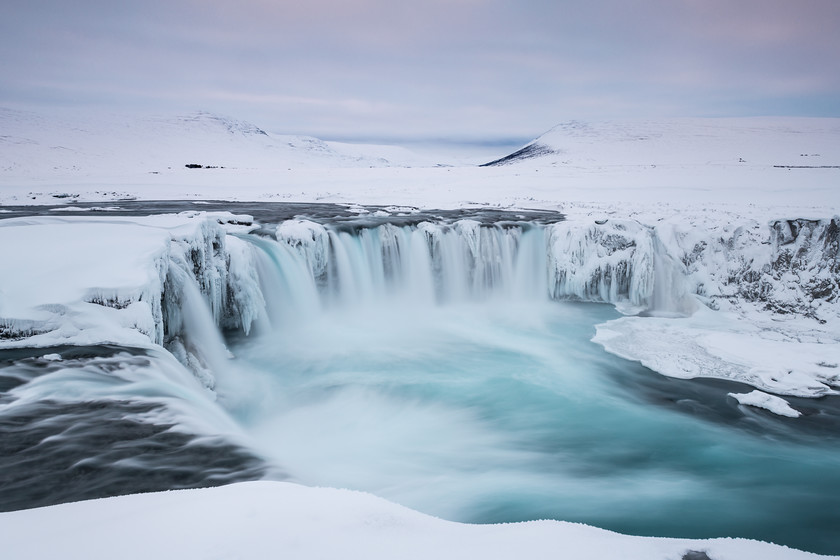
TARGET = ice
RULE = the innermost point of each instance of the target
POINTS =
(142, 281)
(58, 262)
(771, 278)
(610, 262)
(727, 346)
(774, 404)
(113, 290)
(749, 271)
(310, 240)
(247, 302)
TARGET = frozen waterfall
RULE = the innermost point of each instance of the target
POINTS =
(312, 265)
(424, 264)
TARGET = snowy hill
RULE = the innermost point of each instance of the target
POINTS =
(36, 146)
(748, 142)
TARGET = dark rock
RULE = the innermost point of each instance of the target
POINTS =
(528, 152)
(695, 555)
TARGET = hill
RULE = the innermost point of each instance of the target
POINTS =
(756, 142)
(37, 146)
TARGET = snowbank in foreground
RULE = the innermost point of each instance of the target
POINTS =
(277, 519)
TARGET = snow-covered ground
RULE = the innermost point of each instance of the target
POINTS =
(690, 168)
(40, 147)
(266, 519)
(726, 228)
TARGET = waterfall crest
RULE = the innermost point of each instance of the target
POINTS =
(310, 266)
(423, 264)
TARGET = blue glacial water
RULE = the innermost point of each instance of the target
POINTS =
(504, 411)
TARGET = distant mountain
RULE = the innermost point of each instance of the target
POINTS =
(34, 145)
(205, 120)
(784, 142)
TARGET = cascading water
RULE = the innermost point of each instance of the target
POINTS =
(422, 265)
(670, 296)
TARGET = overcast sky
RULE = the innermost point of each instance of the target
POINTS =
(448, 69)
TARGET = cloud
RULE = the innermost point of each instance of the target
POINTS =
(434, 67)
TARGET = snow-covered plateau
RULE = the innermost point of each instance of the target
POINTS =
(717, 240)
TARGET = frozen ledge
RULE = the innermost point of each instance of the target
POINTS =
(791, 358)
(95, 279)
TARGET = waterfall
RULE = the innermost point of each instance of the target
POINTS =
(419, 265)
(251, 281)
(192, 336)
(670, 293)
(286, 281)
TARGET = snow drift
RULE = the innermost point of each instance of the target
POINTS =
(246, 520)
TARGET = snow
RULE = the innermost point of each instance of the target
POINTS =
(704, 207)
(96, 279)
(70, 281)
(37, 147)
(610, 262)
(742, 142)
(772, 403)
(259, 519)
(641, 169)
(118, 255)
(309, 240)
(728, 346)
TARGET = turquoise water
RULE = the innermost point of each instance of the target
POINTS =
(505, 411)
